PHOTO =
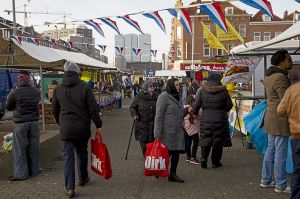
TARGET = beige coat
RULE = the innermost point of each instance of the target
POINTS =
(290, 106)
(276, 85)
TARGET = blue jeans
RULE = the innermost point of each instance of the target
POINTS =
(275, 156)
(26, 150)
(295, 180)
(69, 146)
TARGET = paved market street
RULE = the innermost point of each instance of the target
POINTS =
(237, 179)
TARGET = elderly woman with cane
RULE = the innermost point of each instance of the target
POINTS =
(142, 110)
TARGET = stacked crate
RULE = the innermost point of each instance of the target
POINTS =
(51, 88)
(49, 117)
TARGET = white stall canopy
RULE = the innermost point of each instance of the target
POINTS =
(170, 73)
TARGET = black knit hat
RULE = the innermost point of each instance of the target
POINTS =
(214, 77)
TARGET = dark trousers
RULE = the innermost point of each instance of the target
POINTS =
(191, 150)
(174, 161)
(143, 147)
(295, 179)
(216, 154)
(26, 150)
(69, 147)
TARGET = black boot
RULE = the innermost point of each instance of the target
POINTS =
(203, 163)
(174, 178)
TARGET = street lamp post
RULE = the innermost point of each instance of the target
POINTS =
(149, 54)
(14, 17)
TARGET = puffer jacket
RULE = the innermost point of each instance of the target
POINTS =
(74, 105)
(276, 82)
(215, 103)
(143, 106)
(24, 101)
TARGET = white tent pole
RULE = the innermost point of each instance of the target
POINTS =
(42, 97)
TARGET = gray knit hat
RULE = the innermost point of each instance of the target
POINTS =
(147, 84)
(71, 66)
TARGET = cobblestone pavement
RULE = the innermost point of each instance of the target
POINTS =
(237, 179)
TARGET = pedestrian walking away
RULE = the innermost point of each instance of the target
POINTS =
(168, 124)
(24, 101)
(74, 105)
(214, 128)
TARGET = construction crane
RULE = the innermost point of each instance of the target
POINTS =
(26, 12)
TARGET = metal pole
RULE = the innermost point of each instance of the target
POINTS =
(14, 18)
(193, 47)
(42, 97)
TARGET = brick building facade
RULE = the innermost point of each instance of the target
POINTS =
(258, 27)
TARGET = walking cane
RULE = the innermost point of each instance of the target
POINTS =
(130, 139)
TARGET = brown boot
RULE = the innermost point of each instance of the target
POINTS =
(83, 182)
(69, 193)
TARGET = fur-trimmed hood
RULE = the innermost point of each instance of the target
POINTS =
(213, 89)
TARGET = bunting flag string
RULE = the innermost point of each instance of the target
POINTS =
(263, 5)
(136, 51)
(103, 48)
(119, 50)
(34, 40)
(154, 52)
(156, 17)
(215, 13)
(18, 39)
(66, 43)
(131, 22)
(185, 19)
(95, 25)
(111, 24)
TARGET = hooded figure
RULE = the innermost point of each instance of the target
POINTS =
(168, 125)
(214, 130)
(142, 109)
(74, 106)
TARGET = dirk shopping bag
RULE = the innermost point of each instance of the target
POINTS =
(253, 121)
(100, 160)
(156, 159)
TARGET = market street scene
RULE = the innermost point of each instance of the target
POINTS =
(135, 99)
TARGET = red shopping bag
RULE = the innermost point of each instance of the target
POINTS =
(156, 159)
(100, 160)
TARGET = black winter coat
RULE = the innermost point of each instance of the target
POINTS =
(74, 105)
(215, 103)
(143, 106)
(24, 101)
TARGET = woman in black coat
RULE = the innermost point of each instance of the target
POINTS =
(214, 130)
(142, 109)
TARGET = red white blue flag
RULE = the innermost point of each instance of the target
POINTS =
(215, 13)
(110, 23)
(154, 52)
(136, 51)
(52, 42)
(119, 50)
(95, 25)
(298, 1)
(156, 17)
(263, 5)
(85, 45)
(35, 41)
(132, 23)
(66, 43)
(185, 18)
(18, 39)
(102, 47)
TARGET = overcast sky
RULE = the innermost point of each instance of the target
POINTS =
(89, 9)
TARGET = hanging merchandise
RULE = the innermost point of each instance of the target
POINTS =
(86, 75)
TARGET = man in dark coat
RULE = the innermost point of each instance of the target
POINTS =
(214, 130)
(142, 109)
(24, 101)
(74, 105)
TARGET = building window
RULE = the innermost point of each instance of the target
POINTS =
(266, 18)
(256, 36)
(229, 11)
(208, 26)
(267, 36)
(297, 17)
(178, 50)
(206, 50)
(277, 33)
(219, 51)
(178, 32)
(242, 30)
